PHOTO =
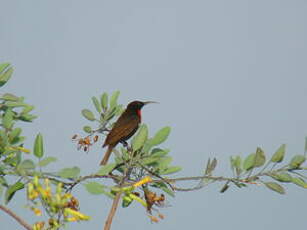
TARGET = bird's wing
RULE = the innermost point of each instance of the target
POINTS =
(122, 130)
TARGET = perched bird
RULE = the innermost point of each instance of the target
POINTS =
(124, 128)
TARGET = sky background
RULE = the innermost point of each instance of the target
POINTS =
(229, 76)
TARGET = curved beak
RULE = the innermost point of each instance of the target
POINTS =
(150, 102)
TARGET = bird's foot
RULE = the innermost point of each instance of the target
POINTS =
(124, 143)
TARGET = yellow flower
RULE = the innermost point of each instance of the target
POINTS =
(58, 200)
(38, 225)
(47, 183)
(59, 188)
(45, 193)
(36, 211)
(72, 219)
(54, 224)
(153, 219)
(32, 193)
(145, 180)
(66, 196)
(76, 214)
(22, 149)
(138, 199)
(35, 181)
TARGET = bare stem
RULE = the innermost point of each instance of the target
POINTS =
(112, 212)
(17, 218)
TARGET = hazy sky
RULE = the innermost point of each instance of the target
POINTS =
(229, 76)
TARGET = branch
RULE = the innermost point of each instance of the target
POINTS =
(116, 200)
(109, 220)
(17, 218)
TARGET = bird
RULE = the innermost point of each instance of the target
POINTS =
(124, 128)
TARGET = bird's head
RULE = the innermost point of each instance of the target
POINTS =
(138, 105)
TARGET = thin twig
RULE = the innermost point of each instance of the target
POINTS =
(156, 175)
(71, 185)
(17, 218)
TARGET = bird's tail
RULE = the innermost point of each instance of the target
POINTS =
(106, 156)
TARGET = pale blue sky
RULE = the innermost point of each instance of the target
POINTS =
(229, 76)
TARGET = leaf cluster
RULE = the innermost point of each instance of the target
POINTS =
(106, 110)
(244, 169)
(13, 109)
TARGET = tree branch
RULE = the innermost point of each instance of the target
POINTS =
(116, 200)
(109, 220)
(17, 218)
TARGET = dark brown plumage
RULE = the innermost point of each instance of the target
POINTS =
(124, 128)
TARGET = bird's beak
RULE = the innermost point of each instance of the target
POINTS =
(149, 102)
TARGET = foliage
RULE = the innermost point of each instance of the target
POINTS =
(139, 173)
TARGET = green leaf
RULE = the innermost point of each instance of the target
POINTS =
(139, 140)
(94, 188)
(296, 161)
(39, 146)
(249, 162)
(105, 170)
(7, 120)
(3, 181)
(210, 166)
(119, 110)
(164, 163)
(4, 66)
(5, 75)
(17, 140)
(87, 129)
(27, 117)
(113, 100)
(236, 164)
(14, 159)
(279, 154)
(14, 104)
(171, 170)
(300, 182)
(127, 200)
(160, 136)
(259, 158)
(88, 114)
(104, 101)
(46, 161)
(27, 109)
(11, 190)
(14, 134)
(96, 104)
(150, 160)
(26, 165)
(275, 187)
(1, 190)
(156, 152)
(9, 97)
(3, 137)
(224, 188)
(110, 114)
(232, 162)
(69, 172)
(168, 191)
(282, 177)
